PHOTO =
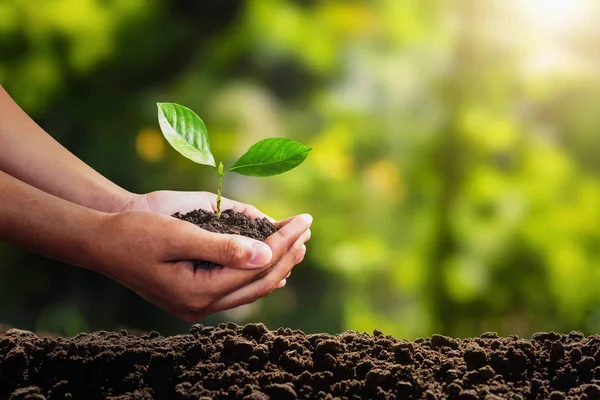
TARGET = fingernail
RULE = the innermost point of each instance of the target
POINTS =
(261, 254)
(308, 218)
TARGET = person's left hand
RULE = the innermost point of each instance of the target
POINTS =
(169, 202)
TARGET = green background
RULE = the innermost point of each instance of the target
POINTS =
(454, 180)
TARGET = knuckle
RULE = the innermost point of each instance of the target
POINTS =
(257, 297)
(251, 299)
(232, 250)
(174, 245)
(265, 290)
(274, 279)
(288, 235)
(271, 284)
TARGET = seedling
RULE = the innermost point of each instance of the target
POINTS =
(186, 132)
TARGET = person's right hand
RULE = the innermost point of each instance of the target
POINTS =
(149, 253)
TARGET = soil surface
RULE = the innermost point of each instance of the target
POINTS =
(251, 362)
(231, 222)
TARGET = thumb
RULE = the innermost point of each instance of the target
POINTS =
(228, 250)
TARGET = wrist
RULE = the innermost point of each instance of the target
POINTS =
(93, 244)
(47, 224)
(119, 201)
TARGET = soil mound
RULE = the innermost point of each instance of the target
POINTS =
(251, 362)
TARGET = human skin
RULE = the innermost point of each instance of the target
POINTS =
(54, 204)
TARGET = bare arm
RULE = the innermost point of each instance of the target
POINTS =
(29, 154)
(142, 250)
(44, 223)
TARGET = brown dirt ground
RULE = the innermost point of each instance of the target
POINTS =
(251, 362)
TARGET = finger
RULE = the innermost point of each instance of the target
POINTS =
(227, 280)
(243, 208)
(263, 286)
(241, 252)
(290, 273)
(193, 243)
(300, 257)
(282, 223)
(289, 232)
(307, 236)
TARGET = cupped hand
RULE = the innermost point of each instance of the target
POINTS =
(149, 252)
(169, 202)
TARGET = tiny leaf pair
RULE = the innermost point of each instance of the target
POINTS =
(186, 132)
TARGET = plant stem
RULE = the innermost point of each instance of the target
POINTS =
(220, 173)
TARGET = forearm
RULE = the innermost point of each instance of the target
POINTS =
(46, 224)
(29, 154)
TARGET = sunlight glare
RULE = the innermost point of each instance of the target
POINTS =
(553, 16)
(550, 26)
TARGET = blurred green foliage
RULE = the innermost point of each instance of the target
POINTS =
(454, 181)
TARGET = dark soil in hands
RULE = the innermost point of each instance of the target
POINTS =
(231, 222)
(251, 362)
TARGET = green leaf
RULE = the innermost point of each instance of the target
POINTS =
(186, 132)
(271, 157)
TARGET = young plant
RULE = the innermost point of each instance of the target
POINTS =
(186, 132)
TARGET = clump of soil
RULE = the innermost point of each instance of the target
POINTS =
(251, 362)
(231, 222)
